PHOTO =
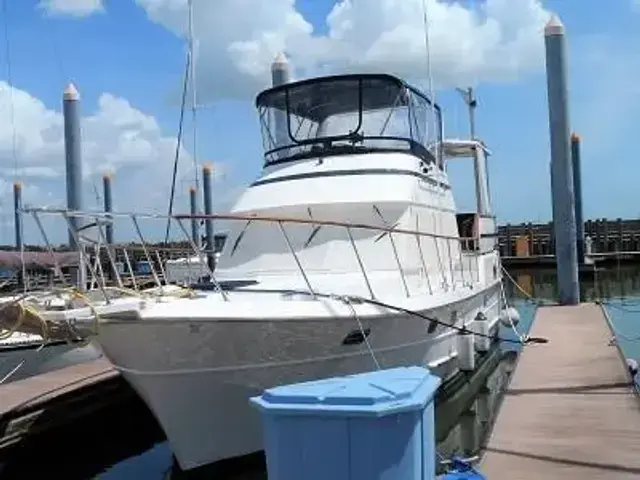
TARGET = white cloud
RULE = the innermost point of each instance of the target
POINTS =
(30, 172)
(75, 8)
(116, 137)
(497, 40)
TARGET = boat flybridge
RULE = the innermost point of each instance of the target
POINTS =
(346, 254)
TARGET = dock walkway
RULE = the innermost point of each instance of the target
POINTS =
(571, 410)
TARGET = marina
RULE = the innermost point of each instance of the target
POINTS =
(609, 239)
(343, 318)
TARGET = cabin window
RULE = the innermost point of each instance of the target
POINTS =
(348, 114)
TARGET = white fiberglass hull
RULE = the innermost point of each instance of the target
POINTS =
(197, 376)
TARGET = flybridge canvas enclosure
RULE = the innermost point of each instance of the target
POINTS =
(344, 114)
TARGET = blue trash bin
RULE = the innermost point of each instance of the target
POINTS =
(370, 426)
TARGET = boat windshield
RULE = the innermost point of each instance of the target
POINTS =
(348, 114)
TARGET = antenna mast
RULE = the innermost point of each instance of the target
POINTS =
(432, 95)
(469, 97)
(425, 19)
(194, 105)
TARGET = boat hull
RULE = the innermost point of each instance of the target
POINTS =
(197, 377)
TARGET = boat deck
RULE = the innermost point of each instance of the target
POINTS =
(571, 410)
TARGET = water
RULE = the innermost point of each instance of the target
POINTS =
(125, 442)
(617, 288)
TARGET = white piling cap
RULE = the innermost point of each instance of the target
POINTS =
(71, 93)
(280, 62)
(554, 26)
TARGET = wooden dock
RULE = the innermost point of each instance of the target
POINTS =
(596, 260)
(38, 403)
(571, 410)
(608, 236)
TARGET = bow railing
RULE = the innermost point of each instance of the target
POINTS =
(146, 263)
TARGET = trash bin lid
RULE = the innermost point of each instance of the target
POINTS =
(378, 393)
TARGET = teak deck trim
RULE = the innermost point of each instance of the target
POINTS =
(571, 410)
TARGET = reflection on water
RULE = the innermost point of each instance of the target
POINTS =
(595, 284)
(472, 427)
(466, 437)
(126, 443)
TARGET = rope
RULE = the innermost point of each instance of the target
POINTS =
(463, 329)
(503, 295)
(22, 313)
(176, 158)
(19, 366)
(616, 332)
(536, 301)
(542, 302)
(24, 309)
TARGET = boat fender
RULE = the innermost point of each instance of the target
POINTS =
(509, 315)
(632, 365)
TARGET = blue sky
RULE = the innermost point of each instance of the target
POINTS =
(133, 51)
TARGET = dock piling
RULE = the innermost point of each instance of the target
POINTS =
(108, 206)
(193, 207)
(577, 191)
(280, 74)
(563, 199)
(208, 210)
(619, 236)
(17, 214)
(73, 164)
